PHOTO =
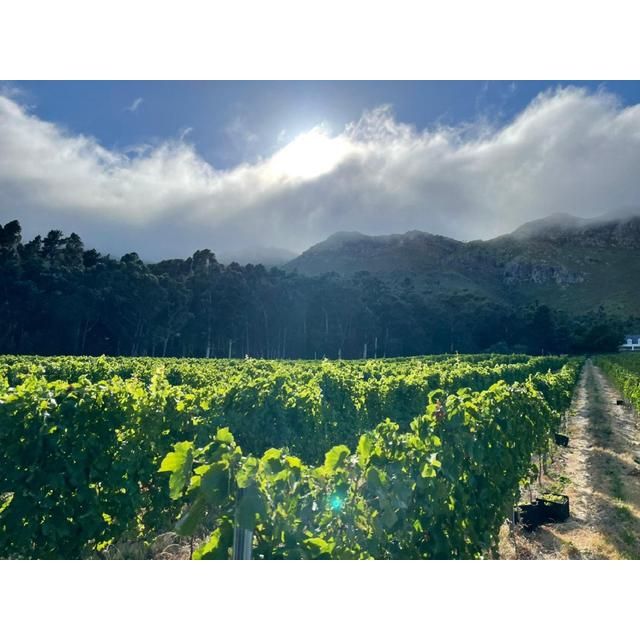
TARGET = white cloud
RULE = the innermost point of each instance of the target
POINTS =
(134, 106)
(569, 150)
(184, 132)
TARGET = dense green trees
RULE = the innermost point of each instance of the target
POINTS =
(56, 297)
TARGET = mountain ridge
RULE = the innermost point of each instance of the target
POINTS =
(567, 260)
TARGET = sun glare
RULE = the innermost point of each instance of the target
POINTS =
(309, 155)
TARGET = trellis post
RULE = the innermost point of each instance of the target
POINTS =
(242, 538)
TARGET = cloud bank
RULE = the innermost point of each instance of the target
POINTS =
(569, 150)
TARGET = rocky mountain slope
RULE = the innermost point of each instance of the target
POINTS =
(569, 262)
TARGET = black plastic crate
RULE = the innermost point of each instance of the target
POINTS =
(528, 515)
(561, 439)
(554, 510)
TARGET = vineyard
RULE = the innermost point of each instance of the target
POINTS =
(624, 370)
(384, 458)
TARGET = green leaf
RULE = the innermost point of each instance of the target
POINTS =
(319, 547)
(293, 462)
(374, 479)
(214, 485)
(428, 471)
(224, 435)
(5, 501)
(335, 457)
(189, 522)
(435, 440)
(174, 460)
(178, 463)
(365, 447)
(247, 473)
(217, 547)
(271, 461)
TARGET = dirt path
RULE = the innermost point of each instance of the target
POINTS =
(600, 472)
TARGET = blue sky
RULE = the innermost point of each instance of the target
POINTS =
(165, 168)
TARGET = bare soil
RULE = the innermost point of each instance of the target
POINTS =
(600, 472)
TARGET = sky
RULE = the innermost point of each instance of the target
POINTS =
(166, 168)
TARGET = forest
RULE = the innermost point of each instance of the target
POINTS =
(58, 297)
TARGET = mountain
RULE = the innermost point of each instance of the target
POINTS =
(350, 252)
(572, 263)
(555, 224)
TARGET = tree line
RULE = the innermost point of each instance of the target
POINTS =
(56, 297)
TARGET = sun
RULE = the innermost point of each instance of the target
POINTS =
(309, 155)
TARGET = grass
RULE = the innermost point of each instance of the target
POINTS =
(623, 512)
(570, 551)
(558, 484)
